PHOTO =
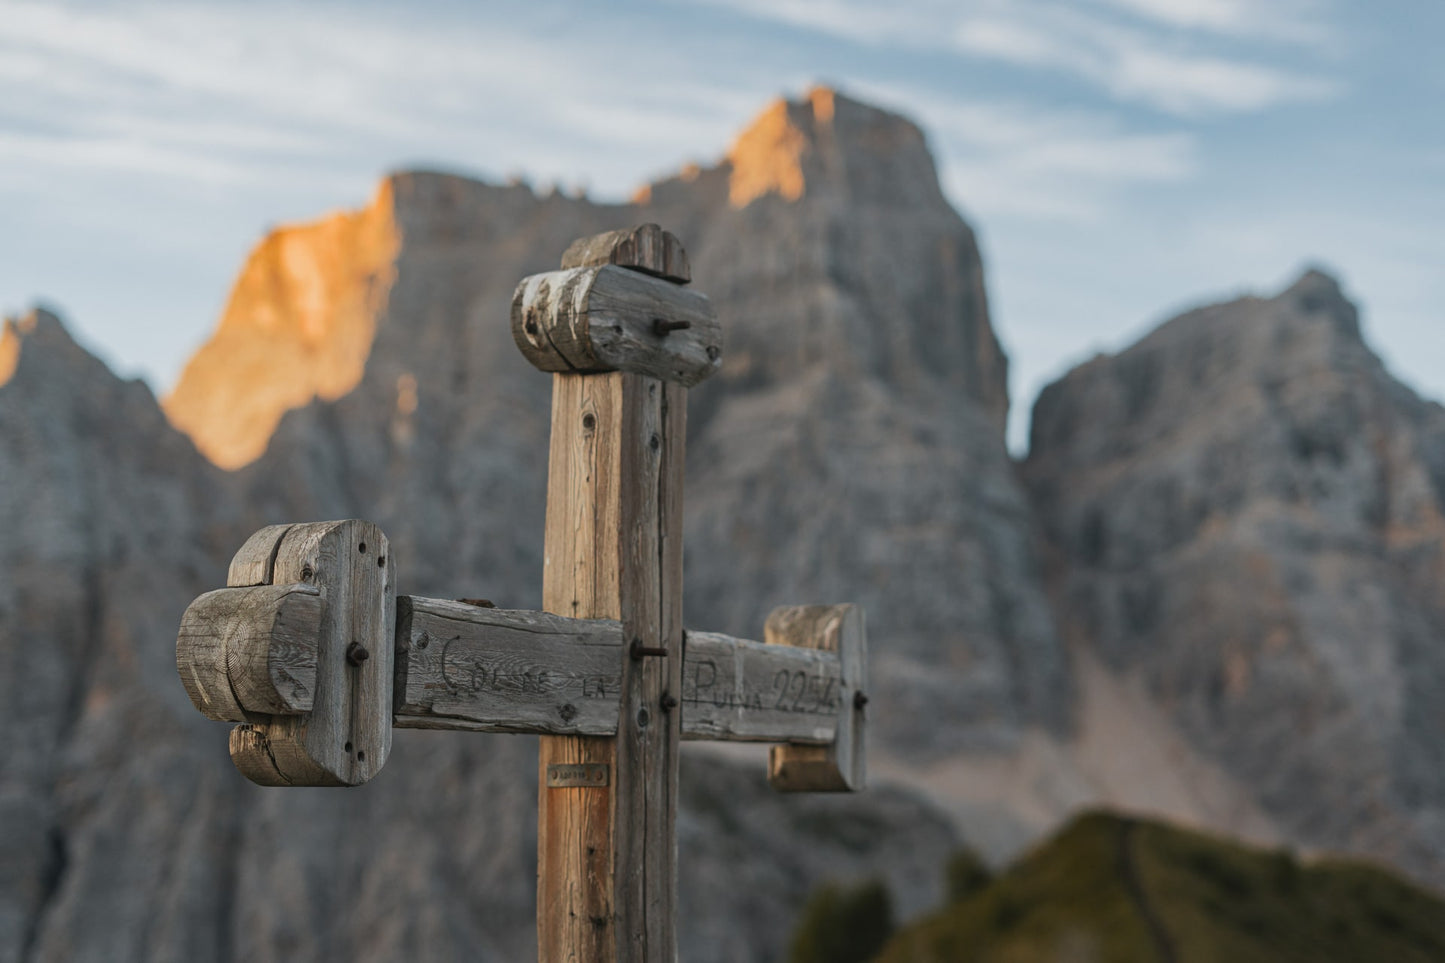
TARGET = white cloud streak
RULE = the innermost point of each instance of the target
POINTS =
(1012, 159)
(1302, 22)
(1170, 57)
(241, 96)
(145, 88)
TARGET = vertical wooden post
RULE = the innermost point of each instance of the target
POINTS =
(607, 853)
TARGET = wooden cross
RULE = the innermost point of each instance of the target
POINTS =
(312, 650)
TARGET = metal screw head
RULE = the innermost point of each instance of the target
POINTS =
(669, 702)
(356, 653)
(662, 328)
(859, 700)
(639, 651)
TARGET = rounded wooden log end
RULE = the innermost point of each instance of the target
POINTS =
(201, 660)
(646, 248)
(252, 754)
(252, 564)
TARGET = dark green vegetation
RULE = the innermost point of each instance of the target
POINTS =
(843, 925)
(1111, 889)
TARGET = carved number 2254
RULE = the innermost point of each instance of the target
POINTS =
(792, 686)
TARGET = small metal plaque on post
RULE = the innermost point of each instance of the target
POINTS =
(577, 775)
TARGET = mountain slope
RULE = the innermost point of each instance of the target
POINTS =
(1246, 513)
(109, 520)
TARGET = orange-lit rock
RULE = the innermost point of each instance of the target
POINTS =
(9, 349)
(768, 156)
(299, 326)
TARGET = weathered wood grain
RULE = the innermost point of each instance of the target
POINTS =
(649, 738)
(255, 562)
(502, 670)
(250, 650)
(645, 248)
(608, 318)
(839, 766)
(743, 691)
(606, 855)
(575, 902)
(345, 738)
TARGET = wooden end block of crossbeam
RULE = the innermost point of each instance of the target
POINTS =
(251, 650)
(838, 767)
(607, 318)
(646, 248)
(345, 737)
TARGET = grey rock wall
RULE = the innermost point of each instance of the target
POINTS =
(1247, 511)
(136, 841)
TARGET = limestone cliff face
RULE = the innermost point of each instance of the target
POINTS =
(108, 521)
(298, 326)
(827, 225)
(851, 448)
(852, 445)
(1245, 513)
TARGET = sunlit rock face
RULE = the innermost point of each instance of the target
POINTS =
(851, 447)
(298, 327)
(12, 332)
(1244, 512)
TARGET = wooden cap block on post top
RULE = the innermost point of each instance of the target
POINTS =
(617, 305)
(647, 248)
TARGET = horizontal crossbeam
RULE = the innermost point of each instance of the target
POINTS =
(319, 672)
(461, 666)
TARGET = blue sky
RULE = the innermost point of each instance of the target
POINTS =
(1121, 159)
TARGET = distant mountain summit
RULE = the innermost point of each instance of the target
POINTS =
(306, 310)
(1246, 512)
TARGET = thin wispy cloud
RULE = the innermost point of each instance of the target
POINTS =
(156, 84)
(1008, 158)
(1134, 65)
(1305, 22)
(1168, 55)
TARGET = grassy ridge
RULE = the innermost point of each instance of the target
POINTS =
(1111, 889)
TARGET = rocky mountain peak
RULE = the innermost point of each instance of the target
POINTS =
(43, 339)
(829, 142)
(1245, 509)
(1319, 293)
(855, 207)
